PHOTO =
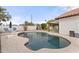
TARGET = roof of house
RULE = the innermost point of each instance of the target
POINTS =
(69, 14)
(54, 22)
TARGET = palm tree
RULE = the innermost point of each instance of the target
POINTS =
(4, 16)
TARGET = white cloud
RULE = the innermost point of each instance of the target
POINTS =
(39, 22)
(20, 20)
(28, 19)
(72, 7)
(16, 20)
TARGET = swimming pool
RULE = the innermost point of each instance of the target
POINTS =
(39, 40)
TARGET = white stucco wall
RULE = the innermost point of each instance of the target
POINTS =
(67, 24)
(18, 28)
(21, 28)
(31, 27)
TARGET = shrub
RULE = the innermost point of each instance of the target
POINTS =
(44, 26)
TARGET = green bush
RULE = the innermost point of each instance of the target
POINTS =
(44, 26)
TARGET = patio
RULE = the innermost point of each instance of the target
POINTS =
(11, 43)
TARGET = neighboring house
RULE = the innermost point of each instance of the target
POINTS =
(69, 21)
(54, 25)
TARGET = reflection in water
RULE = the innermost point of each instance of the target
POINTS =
(38, 40)
(55, 42)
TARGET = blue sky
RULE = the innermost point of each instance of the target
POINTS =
(39, 13)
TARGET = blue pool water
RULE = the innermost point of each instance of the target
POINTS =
(39, 40)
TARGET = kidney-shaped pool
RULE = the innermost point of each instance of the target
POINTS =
(39, 40)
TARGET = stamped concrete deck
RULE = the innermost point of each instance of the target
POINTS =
(11, 43)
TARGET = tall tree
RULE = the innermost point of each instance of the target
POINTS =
(4, 16)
